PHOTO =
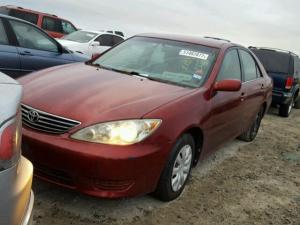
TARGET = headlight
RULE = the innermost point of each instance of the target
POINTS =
(125, 132)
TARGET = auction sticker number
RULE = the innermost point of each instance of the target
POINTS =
(198, 55)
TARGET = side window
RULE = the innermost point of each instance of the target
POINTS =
(31, 37)
(117, 40)
(231, 68)
(105, 40)
(51, 24)
(249, 65)
(30, 17)
(3, 36)
(67, 27)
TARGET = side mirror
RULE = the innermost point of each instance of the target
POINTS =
(95, 43)
(228, 85)
(95, 56)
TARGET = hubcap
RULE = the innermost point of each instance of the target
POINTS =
(181, 167)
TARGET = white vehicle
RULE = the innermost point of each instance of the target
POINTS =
(90, 42)
(16, 197)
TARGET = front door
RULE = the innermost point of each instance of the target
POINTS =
(225, 119)
(36, 49)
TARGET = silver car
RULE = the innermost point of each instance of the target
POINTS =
(16, 197)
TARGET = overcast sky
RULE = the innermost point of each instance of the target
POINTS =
(267, 23)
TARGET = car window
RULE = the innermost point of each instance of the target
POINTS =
(67, 27)
(166, 61)
(31, 37)
(117, 40)
(30, 17)
(51, 24)
(231, 68)
(3, 36)
(249, 66)
(105, 40)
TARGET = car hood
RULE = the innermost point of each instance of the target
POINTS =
(69, 43)
(91, 95)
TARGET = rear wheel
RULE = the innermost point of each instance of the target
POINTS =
(297, 103)
(177, 169)
(286, 109)
(251, 133)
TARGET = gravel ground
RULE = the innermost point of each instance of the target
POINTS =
(243, 183)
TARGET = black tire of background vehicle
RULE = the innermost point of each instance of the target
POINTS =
(285, 109)
(297, 104)
(164, 190)
(251, 133)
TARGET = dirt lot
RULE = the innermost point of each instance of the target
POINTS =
(256, 183)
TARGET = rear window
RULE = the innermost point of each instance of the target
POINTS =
(30, 17)
(275, 62)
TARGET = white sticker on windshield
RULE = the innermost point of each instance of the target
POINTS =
(193, 54)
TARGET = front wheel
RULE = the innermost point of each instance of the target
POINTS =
(177, 169)
(251, 133)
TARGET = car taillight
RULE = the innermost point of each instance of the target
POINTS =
(10, 143)
(289, 83)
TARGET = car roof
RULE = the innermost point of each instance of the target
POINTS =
(206, 41)
(32, 11)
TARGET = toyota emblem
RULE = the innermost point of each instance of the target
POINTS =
(33, 116)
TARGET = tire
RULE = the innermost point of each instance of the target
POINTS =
(285, 110)
(165, 191)
(251, 133)
(297, 104)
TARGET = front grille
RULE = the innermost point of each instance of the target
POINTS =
(46, 122)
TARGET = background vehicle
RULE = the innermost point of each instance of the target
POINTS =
(25, 48)
(149, 108)
(15, 171)
(284, 68)
(90, 42)
(53, 25)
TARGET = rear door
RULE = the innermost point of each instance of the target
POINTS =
(36, 49)
(9, 57)
(254, 85)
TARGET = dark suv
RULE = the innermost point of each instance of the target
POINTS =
(284, 68)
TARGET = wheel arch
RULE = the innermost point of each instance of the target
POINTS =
(198, 136)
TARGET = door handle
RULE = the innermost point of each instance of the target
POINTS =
(28, 53)
(242, 96)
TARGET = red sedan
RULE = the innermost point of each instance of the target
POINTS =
(136, 119)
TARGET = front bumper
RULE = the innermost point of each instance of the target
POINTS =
(27, 220)
(96, 169)
(281, 97)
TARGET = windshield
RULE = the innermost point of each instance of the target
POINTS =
(174, 62)
(80, 36)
